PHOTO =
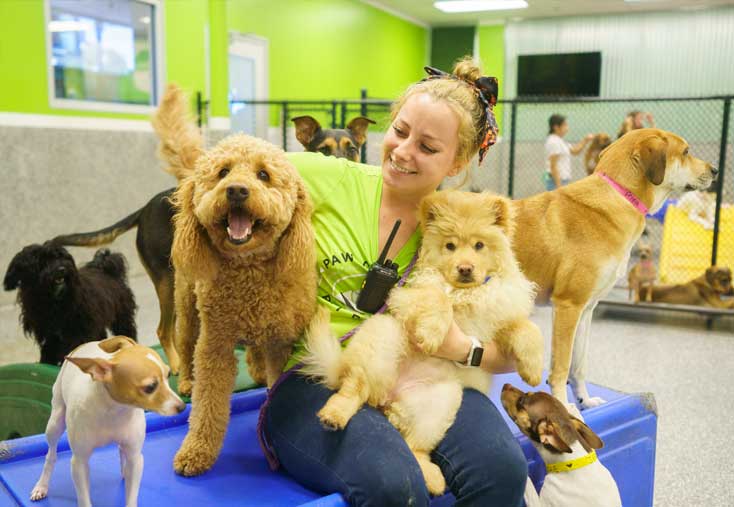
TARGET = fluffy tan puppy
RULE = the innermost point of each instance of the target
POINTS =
(466, 271)
(244, 259)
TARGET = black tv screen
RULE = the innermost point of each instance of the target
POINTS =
(564, 74)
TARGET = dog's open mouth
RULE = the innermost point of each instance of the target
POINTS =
(240, 225)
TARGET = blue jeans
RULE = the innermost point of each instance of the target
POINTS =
(550, 184)
(370, 464)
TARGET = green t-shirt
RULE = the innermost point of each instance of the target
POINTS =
(346, 198)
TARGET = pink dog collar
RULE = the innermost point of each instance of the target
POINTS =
(627, 194)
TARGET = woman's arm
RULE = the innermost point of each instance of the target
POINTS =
(456, 347)
(576, 149)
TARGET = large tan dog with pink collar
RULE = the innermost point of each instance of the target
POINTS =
(575, 242)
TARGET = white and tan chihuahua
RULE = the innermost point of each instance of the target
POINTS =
(575, 477)
(99, 397)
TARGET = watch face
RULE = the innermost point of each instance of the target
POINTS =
(476, 357)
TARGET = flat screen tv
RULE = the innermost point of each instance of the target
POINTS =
(559, 75)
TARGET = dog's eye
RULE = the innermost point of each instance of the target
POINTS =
(223, 172)
(450, 246)
(150, 388)
(351, 151)
(479, 245)
(685, 152)
(263, 175)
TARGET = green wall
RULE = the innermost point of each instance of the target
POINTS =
(492, 56)
(318, 49)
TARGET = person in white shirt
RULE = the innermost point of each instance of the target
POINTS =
(558, 153)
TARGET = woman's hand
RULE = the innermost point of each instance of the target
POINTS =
(456, 346)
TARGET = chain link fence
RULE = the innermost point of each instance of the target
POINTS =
(689, 233)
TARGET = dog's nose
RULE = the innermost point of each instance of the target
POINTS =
(180, 407)
(237, 193)
(465, 269)
(60, 271)
(714, 171)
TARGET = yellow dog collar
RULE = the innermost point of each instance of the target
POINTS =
(574, 464)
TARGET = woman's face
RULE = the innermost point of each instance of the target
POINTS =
(419, 148)
(562, 129)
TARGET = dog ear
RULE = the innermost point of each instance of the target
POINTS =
(711, 275)
(504, 214)
(358, 127)
(191, 251)
(588, 438)
(23, 264)
(306, 129)
(298, 236)
(430, 208)
(100, 369)
(651, 156)
(116, 343)
(554, 436)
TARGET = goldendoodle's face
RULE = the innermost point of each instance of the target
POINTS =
(245, 194)
(465, 236)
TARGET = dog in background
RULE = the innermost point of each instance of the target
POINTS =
(100, 395)
(465, 272)
(575, 477)
(153, 242)
(598, 144)
(642, 274)
(706, 290)
(244, 259)
(576, 240)
(340, 143)
(62, 306)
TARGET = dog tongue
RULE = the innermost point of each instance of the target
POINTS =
(240, 225)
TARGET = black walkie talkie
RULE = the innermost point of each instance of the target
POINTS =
(381, 277)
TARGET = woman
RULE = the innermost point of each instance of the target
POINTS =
(558, 153)
(635, 120)
(438, 125)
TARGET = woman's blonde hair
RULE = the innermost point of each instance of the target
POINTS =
(459, 95)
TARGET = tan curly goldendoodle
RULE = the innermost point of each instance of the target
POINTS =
(245, 267)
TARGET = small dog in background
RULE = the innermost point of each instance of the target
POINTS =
(598, 143)
(642, 274)
(575, 477)
(99, 397)
(706, 290)
(62, 306)
(465, 272)
(340, 143)
(700, 207)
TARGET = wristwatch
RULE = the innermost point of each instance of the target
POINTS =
(475, 353)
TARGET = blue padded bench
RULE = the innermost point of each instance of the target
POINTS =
(627, 424)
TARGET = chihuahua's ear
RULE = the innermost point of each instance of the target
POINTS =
(358, 127)
(306, 129)
(554, 436)
(589, 439)
(99, 369)
(116, 343)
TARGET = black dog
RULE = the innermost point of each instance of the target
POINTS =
(63, 307)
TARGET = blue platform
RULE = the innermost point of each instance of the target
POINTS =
(627, 424)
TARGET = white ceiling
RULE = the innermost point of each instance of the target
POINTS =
(423, 11)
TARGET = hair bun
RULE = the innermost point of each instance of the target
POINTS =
(467, 69)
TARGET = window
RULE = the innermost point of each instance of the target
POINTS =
(104, 55)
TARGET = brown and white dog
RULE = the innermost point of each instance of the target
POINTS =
(706, 290)
(574, 242)
(575, 477)
(642, 274)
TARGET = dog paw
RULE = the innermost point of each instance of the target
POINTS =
(39, 492)
(591, 402)
(530, 369)
(185, 387)
(332, 419)
(191, 459)
(435, 481)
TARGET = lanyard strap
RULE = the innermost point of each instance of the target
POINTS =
(262, 438)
